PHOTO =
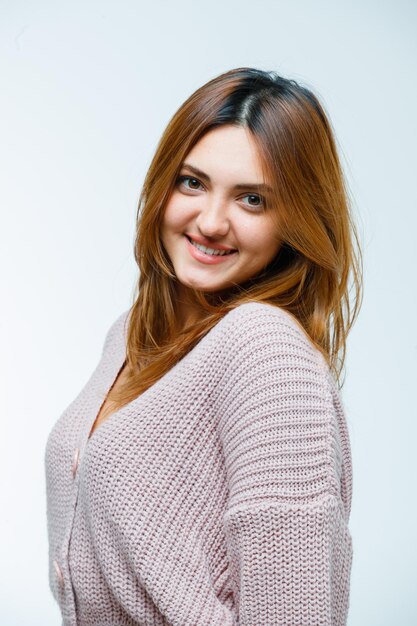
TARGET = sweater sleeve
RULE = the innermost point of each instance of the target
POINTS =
(288, 471)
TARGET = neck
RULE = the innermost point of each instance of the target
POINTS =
(187, 310)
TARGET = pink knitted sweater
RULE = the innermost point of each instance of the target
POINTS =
(219, 497)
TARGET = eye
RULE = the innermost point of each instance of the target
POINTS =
(183, 179)
(194, 184)
(260, 200)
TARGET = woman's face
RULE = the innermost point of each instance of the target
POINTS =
(219, 200)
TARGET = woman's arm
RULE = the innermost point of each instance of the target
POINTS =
(286, 524)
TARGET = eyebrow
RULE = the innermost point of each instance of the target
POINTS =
(257, 186)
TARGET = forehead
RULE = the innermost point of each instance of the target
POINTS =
(227, 152)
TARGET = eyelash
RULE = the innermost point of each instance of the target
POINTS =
(181, 179)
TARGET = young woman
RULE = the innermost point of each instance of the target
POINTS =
(203, 474)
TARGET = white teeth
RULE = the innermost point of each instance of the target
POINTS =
(211, 250)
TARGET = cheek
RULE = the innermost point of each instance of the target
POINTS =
(260, 239)
(174, 217)
(169, 215)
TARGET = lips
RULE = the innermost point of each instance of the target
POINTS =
(206, 258)
(210, 245)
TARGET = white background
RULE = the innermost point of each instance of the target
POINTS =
(87, 89)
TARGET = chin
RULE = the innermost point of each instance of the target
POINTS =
(202, 285)
(207, 288)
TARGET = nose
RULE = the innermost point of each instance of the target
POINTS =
(213, 220)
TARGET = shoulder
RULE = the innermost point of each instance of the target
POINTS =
(117, 330)
(260, 314)
(266, 357)
(277, 420)
(268, 330)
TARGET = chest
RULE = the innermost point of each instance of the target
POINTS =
(109, 406)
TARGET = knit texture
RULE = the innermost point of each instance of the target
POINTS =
(220, 496)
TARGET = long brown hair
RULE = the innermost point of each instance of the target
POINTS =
(309, 277)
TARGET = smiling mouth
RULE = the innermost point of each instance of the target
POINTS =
(205, 248)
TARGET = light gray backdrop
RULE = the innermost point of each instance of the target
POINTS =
(87, 89)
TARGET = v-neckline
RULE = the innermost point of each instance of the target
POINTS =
(118, 361)
(121, 358)
(93, 428)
